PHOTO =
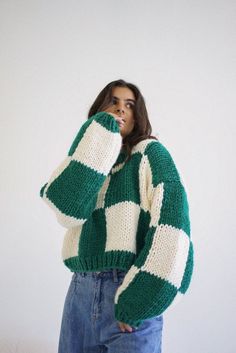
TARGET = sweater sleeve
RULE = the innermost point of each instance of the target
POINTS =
(72, 189)
(162, 270)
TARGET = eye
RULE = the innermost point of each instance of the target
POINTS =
(131, 105)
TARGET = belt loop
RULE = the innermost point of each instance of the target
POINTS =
(115, 278)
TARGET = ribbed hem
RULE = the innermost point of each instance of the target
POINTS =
(112, 259)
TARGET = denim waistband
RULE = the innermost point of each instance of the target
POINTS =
(111, 270)
(114, 272)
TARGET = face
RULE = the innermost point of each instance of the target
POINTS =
(123, 101)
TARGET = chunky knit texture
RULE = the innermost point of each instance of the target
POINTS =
(130, 215)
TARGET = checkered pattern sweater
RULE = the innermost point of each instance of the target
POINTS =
(131, 215)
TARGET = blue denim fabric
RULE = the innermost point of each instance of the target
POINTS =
(88, 322)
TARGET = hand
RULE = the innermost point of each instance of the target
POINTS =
(124, 326)
(118, 118)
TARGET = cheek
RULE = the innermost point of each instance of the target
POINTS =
(108, 109)
(130, 126)
(131, 123)
(130, 118)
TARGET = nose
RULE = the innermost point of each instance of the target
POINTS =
(119, 110)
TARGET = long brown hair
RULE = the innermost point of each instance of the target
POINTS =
(142, 127)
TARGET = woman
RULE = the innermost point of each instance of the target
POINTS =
(120, 197)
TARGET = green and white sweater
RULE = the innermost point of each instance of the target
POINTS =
(130, 215)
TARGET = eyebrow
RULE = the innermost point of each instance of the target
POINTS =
(127, 100)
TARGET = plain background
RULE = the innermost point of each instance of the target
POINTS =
(55, 58)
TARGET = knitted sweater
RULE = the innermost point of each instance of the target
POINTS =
(132, 216)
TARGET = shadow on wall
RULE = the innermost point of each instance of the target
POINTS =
(20, 345)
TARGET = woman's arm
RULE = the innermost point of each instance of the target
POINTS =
(72, 189)
(162, 271)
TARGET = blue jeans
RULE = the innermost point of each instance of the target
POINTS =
(88, 322)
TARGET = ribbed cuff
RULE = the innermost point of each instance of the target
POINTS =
(122, 316)
(108, 121)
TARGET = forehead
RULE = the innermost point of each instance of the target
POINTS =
(123, 93)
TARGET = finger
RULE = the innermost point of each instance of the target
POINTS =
(125, 327)
(129, 328)
(122, 327)
(121, 125)
(121, 121)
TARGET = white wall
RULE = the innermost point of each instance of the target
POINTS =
(55, 58)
